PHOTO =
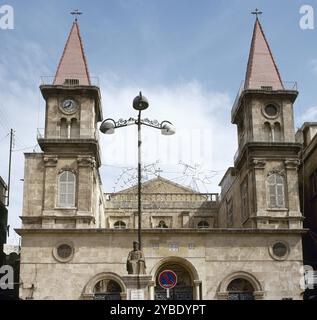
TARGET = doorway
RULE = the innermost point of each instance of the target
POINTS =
(184, 287)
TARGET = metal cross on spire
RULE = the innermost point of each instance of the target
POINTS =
(76, 13)
(257, 12)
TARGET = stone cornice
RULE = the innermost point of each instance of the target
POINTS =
(160, 231)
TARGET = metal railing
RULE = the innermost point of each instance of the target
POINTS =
(56, 134)
(71, 81)
(265, 86)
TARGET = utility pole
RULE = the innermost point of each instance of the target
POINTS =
(10, 159)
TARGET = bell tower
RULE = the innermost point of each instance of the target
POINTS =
(266, 162)
(65, 177)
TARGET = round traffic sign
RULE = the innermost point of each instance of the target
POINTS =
(167, 279)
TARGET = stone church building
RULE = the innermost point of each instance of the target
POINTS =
(244, 243)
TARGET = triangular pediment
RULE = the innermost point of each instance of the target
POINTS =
(160, 185)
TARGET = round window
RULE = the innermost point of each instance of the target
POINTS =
(63, 252)
(271, 110)
(279, 250)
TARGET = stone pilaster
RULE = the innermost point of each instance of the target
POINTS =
(50, 179)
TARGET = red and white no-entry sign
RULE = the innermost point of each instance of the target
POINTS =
(167, 279)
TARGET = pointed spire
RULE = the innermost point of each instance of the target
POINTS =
(73, 64)
(262, 70)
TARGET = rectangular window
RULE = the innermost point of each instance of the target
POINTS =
(173, 247)
(244, 199)
(67, 189)
(230, 214)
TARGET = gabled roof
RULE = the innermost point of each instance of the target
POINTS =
(160, 185)
(73, 64)
(262, 70)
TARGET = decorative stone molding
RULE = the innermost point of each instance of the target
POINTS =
(67, 168)
(86, 161)
(177, 260)
(258, 164)
(50, 160)
(291, 164)
(280, 172)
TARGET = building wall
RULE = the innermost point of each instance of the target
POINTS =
(214, 257)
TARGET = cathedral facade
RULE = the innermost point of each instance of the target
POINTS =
(244, 243)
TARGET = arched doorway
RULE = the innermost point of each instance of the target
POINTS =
(107, 290)
(240, 289)
(184, 288)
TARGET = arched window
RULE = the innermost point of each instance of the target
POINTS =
(119, 225)
(267, 132)
(64, 128)
(162, 224)
(275, 184)
(203, 225)
(107, 290)
(74, 128)
(67, 182)
(240, 289)
(277, 132)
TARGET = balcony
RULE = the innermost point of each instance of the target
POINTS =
(266, 86)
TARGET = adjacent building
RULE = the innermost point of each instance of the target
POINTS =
(3, 219)
(307, 135)
(243, 244)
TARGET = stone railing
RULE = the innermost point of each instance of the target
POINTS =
(129, 200)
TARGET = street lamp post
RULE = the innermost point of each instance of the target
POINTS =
(108, 126)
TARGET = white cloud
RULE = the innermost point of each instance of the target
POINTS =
(310, 115)
(204, 134)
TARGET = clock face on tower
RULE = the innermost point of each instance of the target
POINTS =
(69, 105)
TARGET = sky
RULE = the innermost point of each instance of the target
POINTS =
(187, 57)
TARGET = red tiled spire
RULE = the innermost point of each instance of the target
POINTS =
(262, 70)
(73, 64)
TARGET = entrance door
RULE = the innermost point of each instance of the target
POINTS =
(184, 288)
